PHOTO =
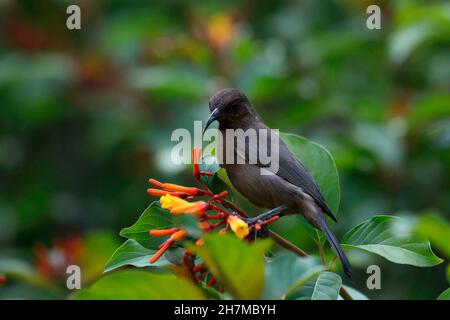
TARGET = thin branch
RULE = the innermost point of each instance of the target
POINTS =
(345, 294)
(330, 268)
(287, 244)
(321, 249)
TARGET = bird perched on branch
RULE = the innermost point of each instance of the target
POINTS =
(287, 184)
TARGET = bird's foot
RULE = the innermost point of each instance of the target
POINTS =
(258, 225)
(266, 217)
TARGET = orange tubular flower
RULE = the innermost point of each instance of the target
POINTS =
(155, 182)
(166, 245)
(239, 227)
(177, 205)
(163, 232)
(156, 192)
(160, 193)
(176, 236)
(193, 191)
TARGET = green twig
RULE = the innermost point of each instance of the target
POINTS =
(321, 251)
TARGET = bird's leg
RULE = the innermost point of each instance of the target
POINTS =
(266, 216)
(258, 223)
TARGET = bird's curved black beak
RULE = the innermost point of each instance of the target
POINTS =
(215, 115)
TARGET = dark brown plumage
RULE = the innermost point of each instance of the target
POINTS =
(290, 186)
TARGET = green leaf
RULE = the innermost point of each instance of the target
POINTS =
(188, 223)
(315, 234)
(174, 256)
(319, 163)
(325, 287)
(240, 266)
(210, 164)
(444, 295)
(381, 235)
(437, 230)
(132, 253)
(140, 285)
(152, 218)
(448, 273)
(212, 292)
(288, 272)
(305, 292)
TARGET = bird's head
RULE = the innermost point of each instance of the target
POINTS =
(228, 106)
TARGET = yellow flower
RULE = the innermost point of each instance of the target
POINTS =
(239, 226)
(168, 201)
(177, 205)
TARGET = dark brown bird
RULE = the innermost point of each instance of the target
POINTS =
(291, 186)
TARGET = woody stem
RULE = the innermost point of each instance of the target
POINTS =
(321, 251)
(287, 244)
(231, 206)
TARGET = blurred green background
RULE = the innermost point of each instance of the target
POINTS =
(86, 117)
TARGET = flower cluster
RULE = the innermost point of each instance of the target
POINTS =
(213, 211)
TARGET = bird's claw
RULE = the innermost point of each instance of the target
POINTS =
(265, 217)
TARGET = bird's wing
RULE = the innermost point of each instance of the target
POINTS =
(290, 168)
(293, 171)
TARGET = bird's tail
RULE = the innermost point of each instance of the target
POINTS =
(335, 245)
